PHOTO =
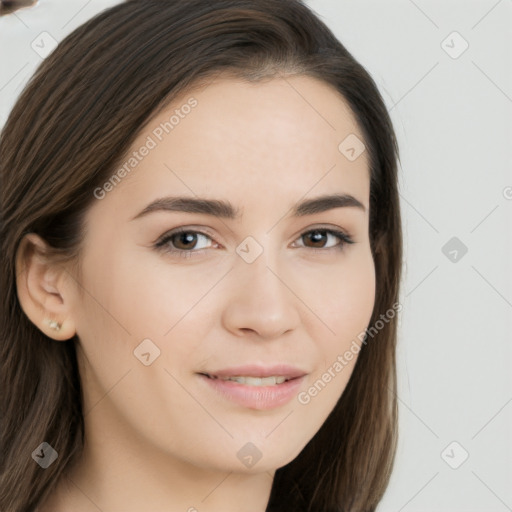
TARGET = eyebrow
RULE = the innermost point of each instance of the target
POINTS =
(226, 210)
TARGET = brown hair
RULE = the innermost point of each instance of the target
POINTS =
(70, 127)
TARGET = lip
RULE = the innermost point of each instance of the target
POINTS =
(256, 397)
(255, 370)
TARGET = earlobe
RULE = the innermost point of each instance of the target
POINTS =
(40, 288)
(53, 324)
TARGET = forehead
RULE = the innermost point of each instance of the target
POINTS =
(292, 116)
(241, 139)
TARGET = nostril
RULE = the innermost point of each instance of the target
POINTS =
(9, 6)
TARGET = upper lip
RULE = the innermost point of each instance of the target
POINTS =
(255, 370)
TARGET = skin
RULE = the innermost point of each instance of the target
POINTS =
(157, 437)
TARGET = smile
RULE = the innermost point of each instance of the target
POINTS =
(254, 381)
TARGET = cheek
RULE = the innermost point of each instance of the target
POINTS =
(345, 307)
(343, 298)
(354, 298)
(114, 312)
(148, 298)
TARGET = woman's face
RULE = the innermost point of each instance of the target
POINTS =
(245, 291)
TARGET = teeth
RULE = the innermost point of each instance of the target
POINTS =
(257, 381)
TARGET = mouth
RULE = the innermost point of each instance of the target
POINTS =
(254, 386)
(257, 375)
(273, 380)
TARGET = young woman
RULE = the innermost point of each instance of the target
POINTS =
(201, 252)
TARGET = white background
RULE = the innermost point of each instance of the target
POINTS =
(453, 118)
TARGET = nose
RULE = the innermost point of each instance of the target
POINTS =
(260, 301)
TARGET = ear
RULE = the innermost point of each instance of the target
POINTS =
(41, 286)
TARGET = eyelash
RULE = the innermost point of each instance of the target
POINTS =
(165, 239)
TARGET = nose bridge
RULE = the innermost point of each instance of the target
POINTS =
(259, 300)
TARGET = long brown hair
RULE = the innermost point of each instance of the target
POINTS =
(70, 127)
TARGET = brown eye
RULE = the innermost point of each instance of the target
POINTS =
(184, 241)
(187, 242)
(318, 238)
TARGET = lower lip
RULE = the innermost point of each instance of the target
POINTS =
(256, 397)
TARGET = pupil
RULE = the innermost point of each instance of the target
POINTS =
(186, 238)
(317, 237)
